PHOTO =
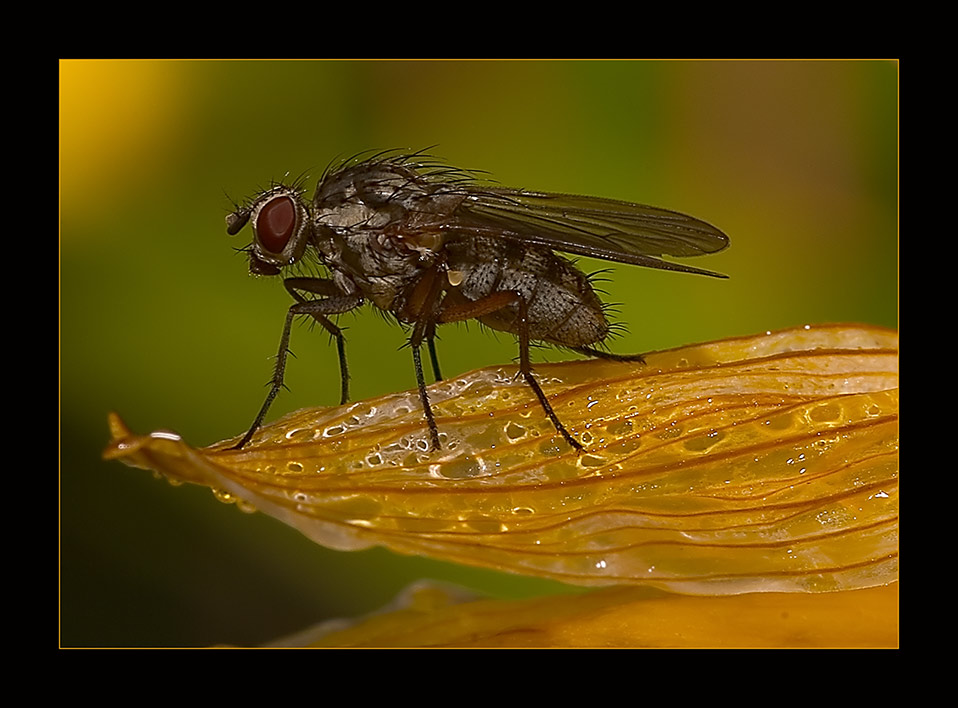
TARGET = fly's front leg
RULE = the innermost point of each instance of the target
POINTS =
(319, 286)
(492, 303)
(317, 309)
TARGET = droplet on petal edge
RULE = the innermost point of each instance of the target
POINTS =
(764, 463)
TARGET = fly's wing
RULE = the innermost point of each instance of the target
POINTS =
(589, 226)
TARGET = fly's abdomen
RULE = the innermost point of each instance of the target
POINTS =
(563, 308)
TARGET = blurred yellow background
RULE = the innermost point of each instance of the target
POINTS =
(796, 161)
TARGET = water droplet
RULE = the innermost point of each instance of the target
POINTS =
(515, 432)
(825, 413)
(703, 443)
(550, 448)
(670, 432)
(591, 461)
(620, 427)
(223, 496)
(245, 506)
(461, 468)
(165, 435)
(423, 445)
(294, 467)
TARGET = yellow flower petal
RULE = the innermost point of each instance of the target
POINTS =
(427, 615)
(765, 463)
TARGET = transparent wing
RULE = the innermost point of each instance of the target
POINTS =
(589, 226)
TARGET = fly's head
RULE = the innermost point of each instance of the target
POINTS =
(281, 228)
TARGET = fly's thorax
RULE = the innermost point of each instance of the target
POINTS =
(372, 197)
(563, 307)
(380, 228)
(374, 185)
(379, 264)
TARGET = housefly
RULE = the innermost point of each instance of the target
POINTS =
(431, 244)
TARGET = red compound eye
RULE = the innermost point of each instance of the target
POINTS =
(276, 223)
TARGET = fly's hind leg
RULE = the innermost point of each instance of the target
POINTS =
(492, 303)
(336, 302)
(599, 354)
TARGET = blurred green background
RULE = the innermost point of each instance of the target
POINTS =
(796, 161)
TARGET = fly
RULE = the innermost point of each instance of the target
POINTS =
(431, 244)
